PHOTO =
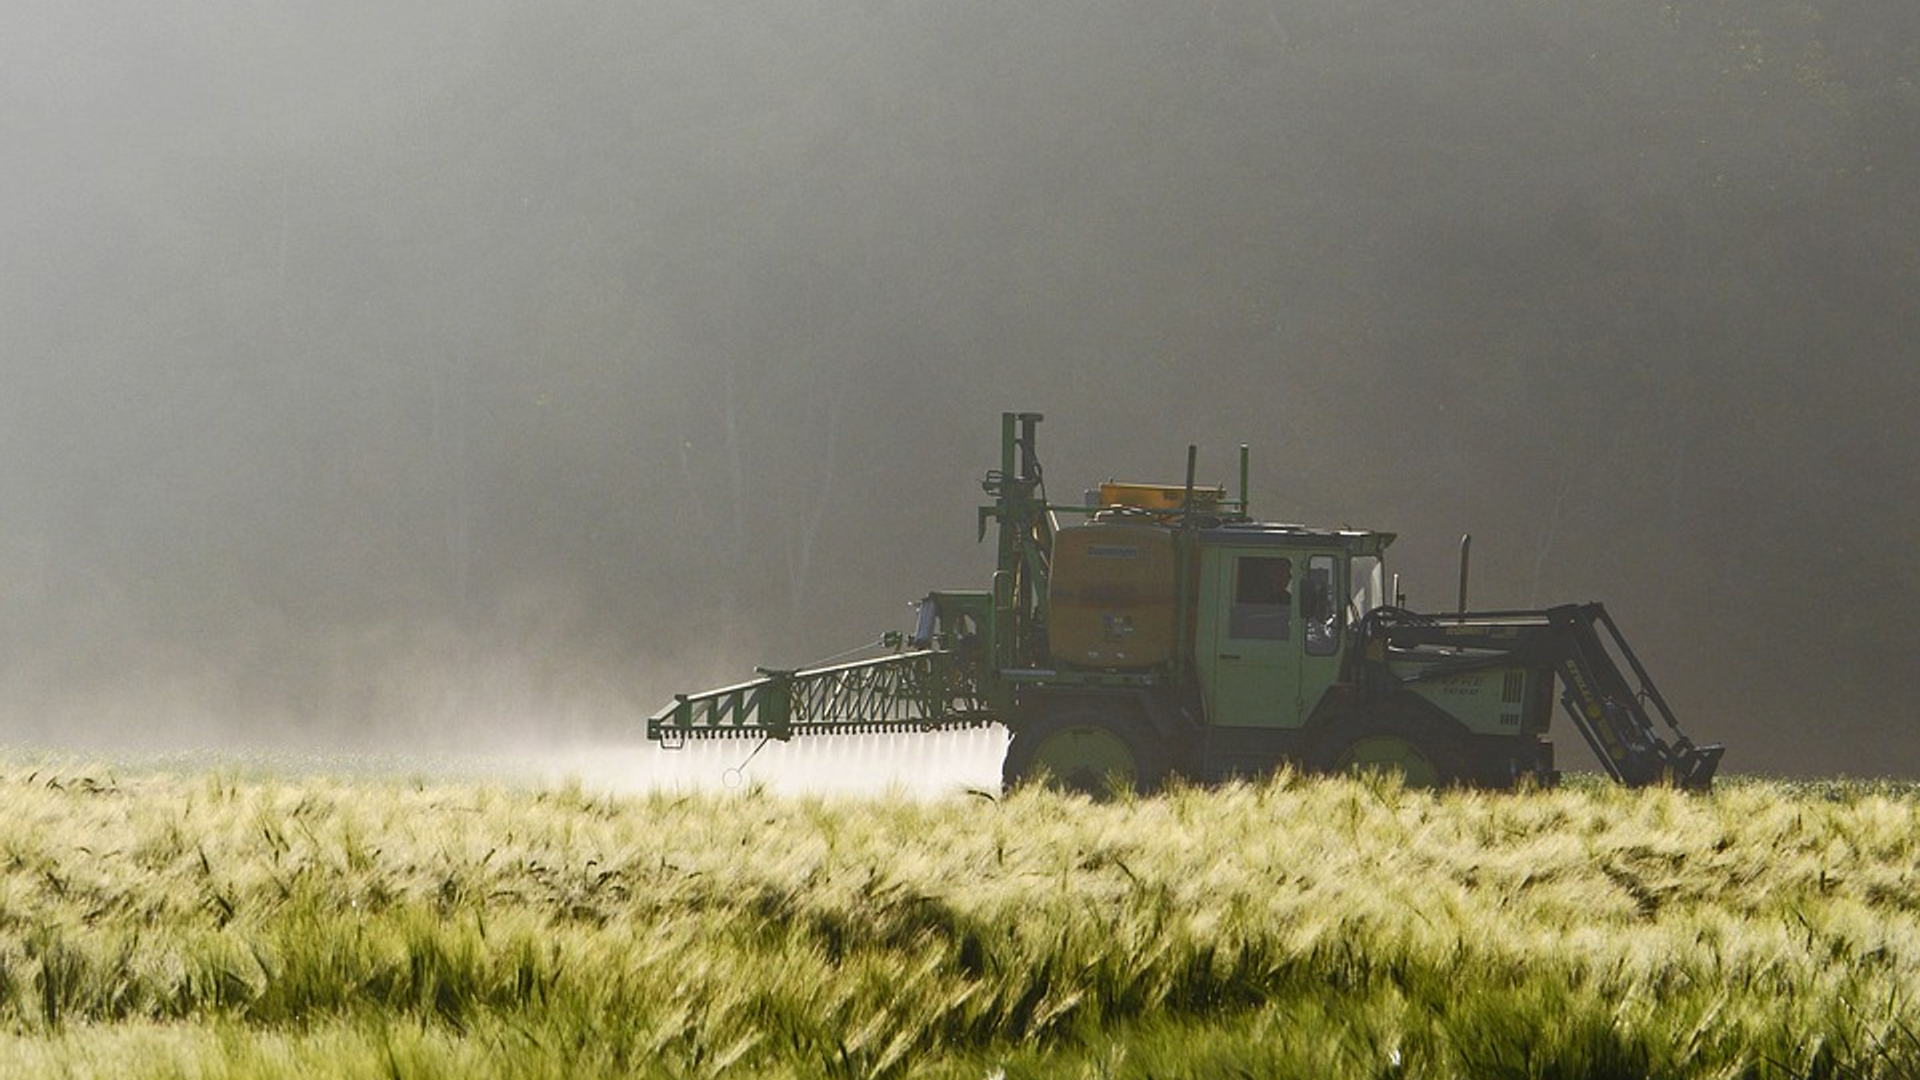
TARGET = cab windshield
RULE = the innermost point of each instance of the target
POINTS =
(1369, 585)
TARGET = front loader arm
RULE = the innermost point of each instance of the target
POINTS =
(1608, 704)
(1611, 711)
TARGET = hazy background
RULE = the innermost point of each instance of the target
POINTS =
(436, 374)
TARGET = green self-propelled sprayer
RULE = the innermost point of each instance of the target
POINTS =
(1159, 631)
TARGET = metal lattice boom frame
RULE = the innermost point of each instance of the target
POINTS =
(915, 691)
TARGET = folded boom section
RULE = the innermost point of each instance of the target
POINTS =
(924, 690)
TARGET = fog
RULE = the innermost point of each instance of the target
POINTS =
(446, 375)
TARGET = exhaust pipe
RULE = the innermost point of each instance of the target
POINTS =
(1466, 547)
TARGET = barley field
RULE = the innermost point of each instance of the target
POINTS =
(224, 923)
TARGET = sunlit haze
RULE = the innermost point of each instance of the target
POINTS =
(466, 377)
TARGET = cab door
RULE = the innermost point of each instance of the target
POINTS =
(1249, 639)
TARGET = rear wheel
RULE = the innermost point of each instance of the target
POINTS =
(1093, 747)
(1426, 754)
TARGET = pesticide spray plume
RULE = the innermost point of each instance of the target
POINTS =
(522, 703)
(922, 766)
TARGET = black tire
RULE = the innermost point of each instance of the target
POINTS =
(1427, 753)
(1095, 747)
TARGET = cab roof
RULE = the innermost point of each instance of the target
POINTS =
(1274, 534)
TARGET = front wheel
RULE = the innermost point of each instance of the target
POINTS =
(1425, 754)
(1095, 748)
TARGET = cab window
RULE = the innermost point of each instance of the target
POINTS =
(1318, 609)
(1262, 598)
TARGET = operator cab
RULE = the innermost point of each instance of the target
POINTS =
(1275, 602)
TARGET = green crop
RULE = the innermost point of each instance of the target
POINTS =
(219, 925)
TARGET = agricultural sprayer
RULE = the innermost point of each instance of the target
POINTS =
(1158, 631)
